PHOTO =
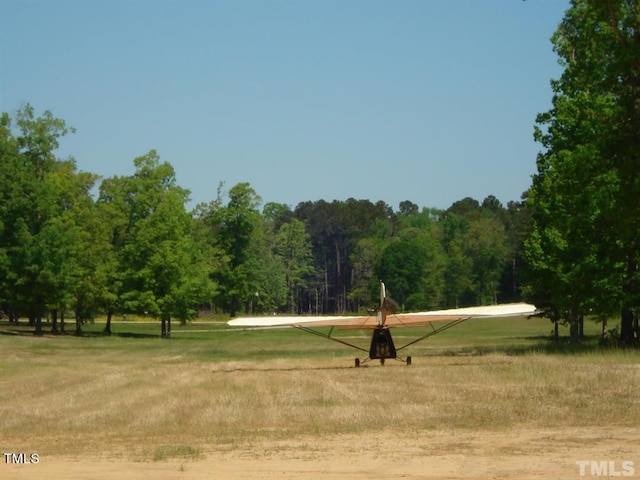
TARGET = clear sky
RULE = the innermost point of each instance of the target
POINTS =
(423, 100)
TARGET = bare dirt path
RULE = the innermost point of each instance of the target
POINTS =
(522, 454)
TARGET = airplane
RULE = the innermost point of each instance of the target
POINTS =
(382, 346)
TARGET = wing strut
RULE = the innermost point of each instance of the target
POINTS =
(329, 337)
(431, 333)
(435, 331)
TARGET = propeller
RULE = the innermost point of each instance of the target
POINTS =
(386, 302)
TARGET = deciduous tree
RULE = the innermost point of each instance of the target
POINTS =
(586, 232)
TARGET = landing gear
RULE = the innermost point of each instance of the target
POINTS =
(357, 362)
(382, 348)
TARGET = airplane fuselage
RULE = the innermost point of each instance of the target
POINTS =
(382, 346)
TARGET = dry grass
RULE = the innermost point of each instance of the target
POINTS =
(130, 400)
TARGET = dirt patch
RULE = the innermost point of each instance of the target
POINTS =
(457, 454)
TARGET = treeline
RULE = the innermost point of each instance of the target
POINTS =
(466, 255)
(71, 242)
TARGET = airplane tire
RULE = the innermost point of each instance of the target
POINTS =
(408, 361)
(357, 362)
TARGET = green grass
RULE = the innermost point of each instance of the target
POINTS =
(134, 395)
(211, 340)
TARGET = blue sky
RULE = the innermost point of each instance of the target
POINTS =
(429, 101)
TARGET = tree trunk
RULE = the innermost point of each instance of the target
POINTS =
(78, 324)
(514, 281)
(234, 305)
(574, 322)
(574, 330)
(37, 322)
(626, 326)
(325, 302)
(107, 327)
(54, 321)
(581, 326)
(629, 290)
(338, 280)
(62, 322)
(166, 326)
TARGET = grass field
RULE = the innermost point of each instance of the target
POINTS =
(213, 396)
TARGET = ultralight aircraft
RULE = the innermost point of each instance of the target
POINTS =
(383, 318)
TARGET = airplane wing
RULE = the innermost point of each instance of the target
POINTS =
(382, 346)
(292, 321)
(392, 320)
(490, 311)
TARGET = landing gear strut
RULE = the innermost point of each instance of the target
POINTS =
(356, 363)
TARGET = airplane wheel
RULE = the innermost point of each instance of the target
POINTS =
(357, 362)
(408, 361)
(382, 361)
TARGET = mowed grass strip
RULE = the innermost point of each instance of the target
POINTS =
(150, 399)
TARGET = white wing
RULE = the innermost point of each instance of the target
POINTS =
(491, 311)
(277, 321)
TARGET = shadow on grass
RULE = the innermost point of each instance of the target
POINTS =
(119, 335)
(29, 331)
(544, 345)
(285, 369)
(512, 346)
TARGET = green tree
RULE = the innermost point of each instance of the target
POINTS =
(327, 224)
(98, 285)
(74, 256)
(517, 227)
(484, 244)
(366, 257)
(293, 247)
(239, 220)
(335, 229)
(163, 271)
(412, 266)
(268, 271)
(38, 237)
(402, 265)
(467, 207)
(277, 214)
(208, 224)
(458, 282)
(114, 213)
(585, 232)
